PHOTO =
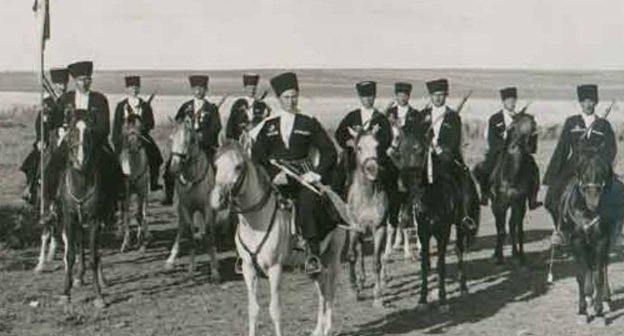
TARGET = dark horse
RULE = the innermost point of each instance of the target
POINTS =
(85, 203)
(591, 229)
(434, 210)
(510, 185)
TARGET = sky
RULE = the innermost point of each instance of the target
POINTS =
(236, 34)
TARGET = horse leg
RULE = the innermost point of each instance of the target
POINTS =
(142, 232)
(459, 250)
(598, 297)
(582, 317)
(53, 244)
(251, 280)
(125, 214)
(442, 242)
(320, 318)
(95, 264)
(499, 218)
(79, 281)
(69, 256)
(378, 267)
(175, 249)
(424, 270)
(275, 279)
(521, 212)
(389, 237)
(45, 237)
(352, 256)
(210, 222)
(330, 288)
(360, 253)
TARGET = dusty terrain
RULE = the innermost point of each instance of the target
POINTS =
(145, 299)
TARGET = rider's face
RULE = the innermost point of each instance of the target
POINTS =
(199, 91)
(133, 91)
(402, 98)
(438, 98)
(83, 83)
(510, 103)
(367, 101)
(588, 106)
(289, 100)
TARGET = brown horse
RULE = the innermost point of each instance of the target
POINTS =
(510, 186)
(368, 206)
(263, 238)
(135, 167)
(194, 182)
(84, 203)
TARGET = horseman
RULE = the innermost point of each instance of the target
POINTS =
(206, 122)
(496, 136)
(96, 107)
(135, 105)
(248, 111)
(403, 118)
(367, 117)
(581, 131)
(443, 128)
(52, 119)
(289, 136)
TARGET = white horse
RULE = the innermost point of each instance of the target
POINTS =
(263, 238)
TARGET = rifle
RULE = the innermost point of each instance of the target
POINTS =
(336, 200)
(606, 114)
(47, 85)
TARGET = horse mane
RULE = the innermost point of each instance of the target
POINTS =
(590, 163)
(133, 119)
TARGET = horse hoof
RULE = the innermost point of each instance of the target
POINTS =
(606, 306)
(215, 278)
(63, 300)
(444, 308)
(78, 283)
(99, 303)
(464, 292)
(582, 319)
(421, 307)
(169, 265)
(601, 321)
(378, 303)
(38, 269)
(142, 249)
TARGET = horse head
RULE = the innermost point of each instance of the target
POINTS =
(593, 173)
(520, 132)
(184, 143)
(366, 153)
(80, 140)
(131, 133)
(232, 163)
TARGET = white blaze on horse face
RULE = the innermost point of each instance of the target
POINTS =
(367, 154)
(81, 126)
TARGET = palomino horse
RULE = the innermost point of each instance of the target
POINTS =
(436, 207)
(84, 203)
(194, 181)
(591, 229)
(263, 238)
(510, 185)
(135, 167)
(368, 206)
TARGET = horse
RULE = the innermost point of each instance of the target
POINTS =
(436, 210)
(367, 203)
(406, 220)
(591, 230)
(264, 236)
(194, 181)
(135, 166)
(84, 203)
(510, 186)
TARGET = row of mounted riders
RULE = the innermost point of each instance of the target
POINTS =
(402, 163)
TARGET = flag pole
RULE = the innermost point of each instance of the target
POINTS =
(42, 12)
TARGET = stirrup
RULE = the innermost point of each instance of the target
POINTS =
(313, 265)
(557, 238)
(469, 223)
(238, 266)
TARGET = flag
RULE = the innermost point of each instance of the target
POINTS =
(42, 7)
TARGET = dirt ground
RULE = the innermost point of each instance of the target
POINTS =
(145, 299)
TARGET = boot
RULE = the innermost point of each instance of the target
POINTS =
(313, 265)
(154, 186)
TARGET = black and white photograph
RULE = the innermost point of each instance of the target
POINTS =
(320, 167)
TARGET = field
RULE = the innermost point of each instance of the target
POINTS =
(144, 299)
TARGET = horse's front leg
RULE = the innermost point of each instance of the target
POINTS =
(582, 304)
(606, 303)
(45, 238)
(95, 264)
(352, 257)
(79, 234)
(69, 256)
(459, 250)
(378, 260)
(275, 282)
(180, 235)
(518, 215)
(53, 243)
(499, 218)
(210, 223)
(251, 281)
(442, 243)
(125, 215)
(144, 235)
(424, 269)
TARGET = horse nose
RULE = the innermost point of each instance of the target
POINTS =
(371, 168)
(217, 198)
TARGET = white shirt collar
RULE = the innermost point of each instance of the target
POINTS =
(287, 123)
(508, 116)
(366, 114)
(437, 118)
(81, 100)
(249, 110)
(402, 113)
(588, 119)
(198, 104)
(134, 102)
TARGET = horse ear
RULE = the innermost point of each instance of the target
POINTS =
(221, 138)
(352, 132)
(375, 129)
